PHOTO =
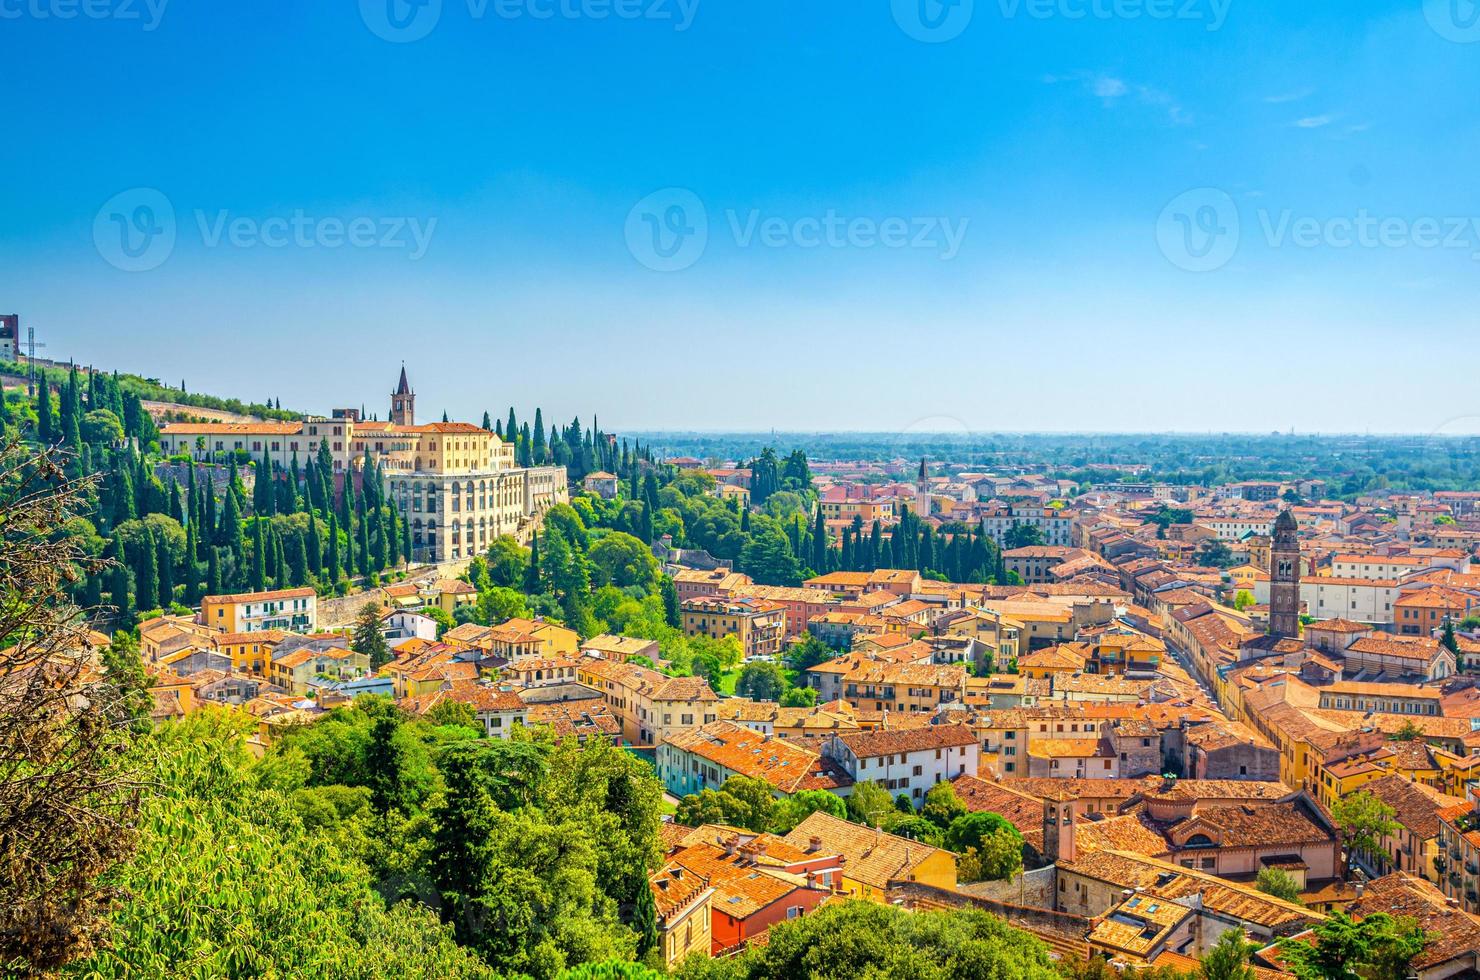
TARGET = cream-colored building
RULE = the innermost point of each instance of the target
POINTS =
(456, 484)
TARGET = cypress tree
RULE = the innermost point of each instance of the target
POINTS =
(259, 559)
(314, 550)
(262, 502)
(213, 572)
(532, 570)
(537, 451)
(487, 422)
(362, 549)
(44, 423)
(172, 495)
(819, 544)
(146, 571)
(297, 562)
(230, 534)
(123, 496)
(118, 587)
(333, 564)
(166, 574)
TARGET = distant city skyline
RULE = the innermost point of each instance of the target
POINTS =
(1022, 216)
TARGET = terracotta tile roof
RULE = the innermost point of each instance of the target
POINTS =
(879, 742)
(1126, 870)
(1415, 806)
(782, 763)
(873, 857)
(742, 888)
(1453, 934)
(262, 596)
(1022, 811)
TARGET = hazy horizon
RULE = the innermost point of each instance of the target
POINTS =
(1050, 216)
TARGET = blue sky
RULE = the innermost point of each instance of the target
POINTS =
(1039, 214)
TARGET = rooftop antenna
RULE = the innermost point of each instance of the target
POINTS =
(31, 346)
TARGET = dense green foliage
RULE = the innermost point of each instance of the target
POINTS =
(861, 939)
(368, 844)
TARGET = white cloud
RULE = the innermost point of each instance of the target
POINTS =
(1314, 122)
(1109, 88)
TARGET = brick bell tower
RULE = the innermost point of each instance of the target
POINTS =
(1284, 578)
(403, 402)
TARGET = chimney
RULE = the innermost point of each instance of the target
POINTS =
(730, 843)
(1360, 887)
(814, 844)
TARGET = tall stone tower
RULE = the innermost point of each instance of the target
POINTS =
(403, 402)
(1284, 578)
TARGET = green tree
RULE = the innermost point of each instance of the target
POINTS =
(761, 681)
(870, 804)
(622, 560)
(1378, 947)
(1279, 883)
(645, 922)
(799, 697)
(1229, 958)
(1364, 821)
(740, 802)
(369, 638)
(807, 653)
(942, 805)
(863, 939)
(802, 804)
(917, 828)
